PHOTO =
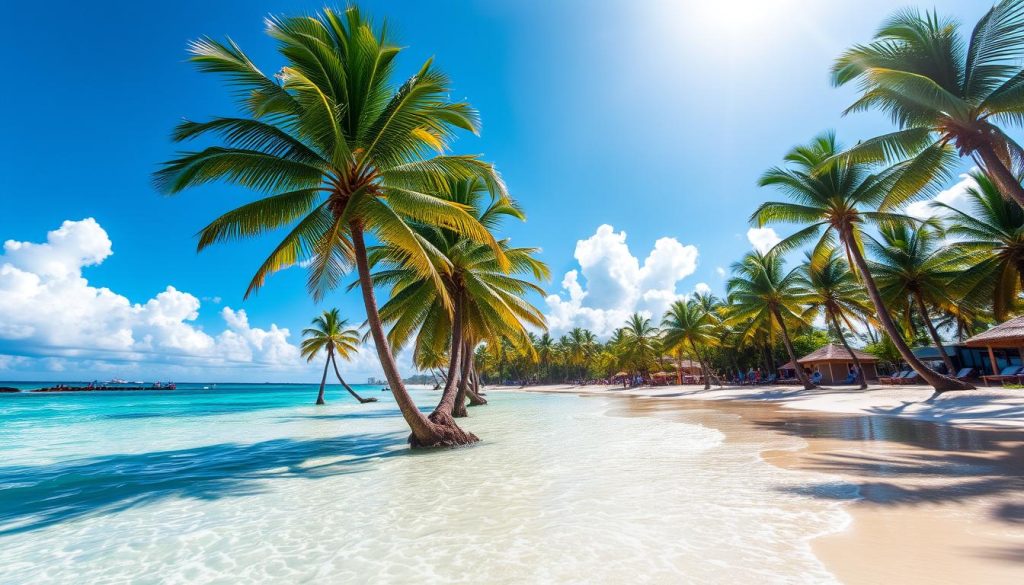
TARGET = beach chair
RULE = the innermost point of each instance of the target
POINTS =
(1009, 373)
(965, 373)
(911, 378)
(894, 379)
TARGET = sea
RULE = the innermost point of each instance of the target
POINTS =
(253, 483)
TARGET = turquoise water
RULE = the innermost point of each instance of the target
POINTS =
(253, 483)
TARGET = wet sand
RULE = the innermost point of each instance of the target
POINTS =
(931, 503)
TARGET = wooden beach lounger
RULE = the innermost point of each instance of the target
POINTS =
(964, 373)
(894, 379)
(1009, 373)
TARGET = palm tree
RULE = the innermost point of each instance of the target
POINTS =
(545, 347)
(760, 292)
(331, 333)
(990, 239)
(941, 90)
(639, 343)
(834, 293)
(837, 201)
(689, 326)
(486, 291)
(914, 269)
(340, 153)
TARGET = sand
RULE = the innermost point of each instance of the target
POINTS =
(931, 503)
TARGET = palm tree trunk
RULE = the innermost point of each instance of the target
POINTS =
(323, 382)
(861, 378)
(703, 368)
(425, 432)
(923, 309)
(800, 374)
(337, 373)
(473, 391)
(936, 380)
(459, 408)
(1003, 178)
(446, 405)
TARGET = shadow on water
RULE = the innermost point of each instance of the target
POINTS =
(34, 497)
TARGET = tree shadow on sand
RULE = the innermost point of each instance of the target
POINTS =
(947, 464)
(34, 497)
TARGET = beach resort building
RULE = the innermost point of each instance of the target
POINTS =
(834, 363)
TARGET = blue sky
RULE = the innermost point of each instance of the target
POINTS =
(655, 118)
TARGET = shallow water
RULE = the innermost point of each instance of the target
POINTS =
(255, 484)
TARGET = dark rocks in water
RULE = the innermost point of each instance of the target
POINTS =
(6, 389)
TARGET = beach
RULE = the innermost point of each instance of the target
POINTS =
(933, 487)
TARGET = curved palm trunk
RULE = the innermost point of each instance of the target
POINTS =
(425, 432)
(861, 379)
(446, 405)
(323, 382)
(473, 391)
(459, 408)
(1003, 178)
(800, 374)
(337, 373)
(936, 380)
(703, 368)
(923, 309)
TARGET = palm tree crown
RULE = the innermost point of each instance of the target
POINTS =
(990, 239)
(943, 90)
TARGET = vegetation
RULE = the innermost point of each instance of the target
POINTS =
(330, 333)
(357, 170)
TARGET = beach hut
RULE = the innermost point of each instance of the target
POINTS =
(1004, 344)
(833, 361)
(787, 371)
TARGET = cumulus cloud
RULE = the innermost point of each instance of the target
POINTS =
(720, 270)
(702, 288)
(763, 239)
(615, 283)
(955, 197)
(50, 313)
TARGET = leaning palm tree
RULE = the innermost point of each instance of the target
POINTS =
(486, 291)
(763, 296)
(990, 240)
(834, 293)
(331, 333)
(915, 270)
(837, 200)
(689, 327)
(337, 153)
(943, 89)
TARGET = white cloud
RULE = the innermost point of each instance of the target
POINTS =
(720, 270)
(955, 196)
(763, 239)
(616, 284)
(51, 314)
(702, 288)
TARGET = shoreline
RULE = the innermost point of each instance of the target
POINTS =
(932, 488)
(984, 408)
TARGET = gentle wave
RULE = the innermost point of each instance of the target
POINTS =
(268, 488)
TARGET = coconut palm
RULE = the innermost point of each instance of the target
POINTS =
(990, 240)
(689, 326)
(336, 152)
(331, 333)
(942, 89)
(486, 291)
(763, 295)
(836, 201)
(834, 293)
(914, 269)
(639, 343)
(545, 347)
